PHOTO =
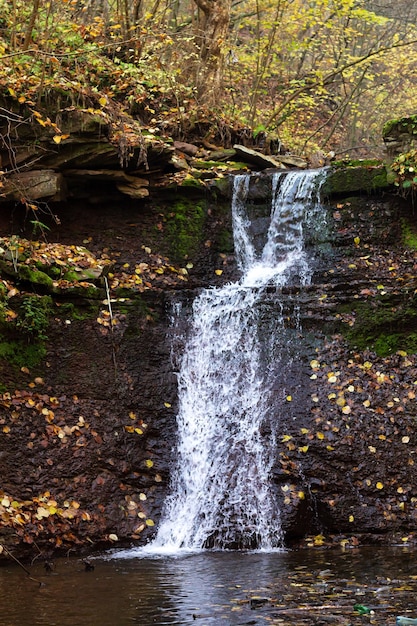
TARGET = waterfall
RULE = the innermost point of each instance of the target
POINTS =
(221, 493)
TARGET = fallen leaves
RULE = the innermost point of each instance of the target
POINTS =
(361, 408)
(28, 517)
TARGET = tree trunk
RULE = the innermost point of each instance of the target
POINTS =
(212, 35)
(29, 29)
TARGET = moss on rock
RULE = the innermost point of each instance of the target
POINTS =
(184, 227)
(358, 178)
(383, 324)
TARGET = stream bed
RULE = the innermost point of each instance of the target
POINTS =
(221, 588)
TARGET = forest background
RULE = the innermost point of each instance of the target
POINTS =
(308, 75)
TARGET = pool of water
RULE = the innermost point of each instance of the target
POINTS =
(318, 586)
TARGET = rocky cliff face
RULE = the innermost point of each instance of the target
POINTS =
(88, 400)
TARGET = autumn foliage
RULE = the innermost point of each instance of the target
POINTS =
(324, 74)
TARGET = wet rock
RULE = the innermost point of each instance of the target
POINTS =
(34, 185)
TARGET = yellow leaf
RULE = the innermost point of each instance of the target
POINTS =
(167, 405)
(357, 241)
(218, 272)
(289, 398)
(320, 435)
(319, 540)
(149, 463)
(301, 495)
(42, 512)
(346, 409)
(314, 364)
(304, 431)
(149, 522)
(285, 438)
(103, 101)
(57, 138)
(379, 485)
(303, 449)
(351, 518)
(139, 529)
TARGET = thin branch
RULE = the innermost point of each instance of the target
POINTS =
(332, 75)
(7, 551)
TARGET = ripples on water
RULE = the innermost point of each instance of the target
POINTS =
(215, 588)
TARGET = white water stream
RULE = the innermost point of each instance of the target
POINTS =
(221, 494)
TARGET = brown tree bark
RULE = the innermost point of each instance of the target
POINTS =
(212, 36)
(31, 24)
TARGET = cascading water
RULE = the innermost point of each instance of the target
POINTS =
(221, 494)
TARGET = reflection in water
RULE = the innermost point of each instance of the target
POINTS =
(213, 588)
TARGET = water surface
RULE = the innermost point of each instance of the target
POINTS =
(215, 588)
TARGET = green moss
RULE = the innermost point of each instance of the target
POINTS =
(356, 163)
(409, 234)
(71, 276)
(192, 181)
(350, 179)
(90, 292)
(184, 228)
(207, 165)
(18, 354)
(34, 276)
(224, 242)
(404, 124)
(384, 325)
(26, 274)
(68, 310)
